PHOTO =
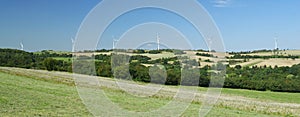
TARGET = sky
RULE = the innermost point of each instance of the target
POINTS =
(244, 24)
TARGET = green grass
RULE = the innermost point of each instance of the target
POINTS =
(134, 103)
(283, 97)
(24, 94)
(139, 104)
(265, 95)
(67, 59)
(51, 52)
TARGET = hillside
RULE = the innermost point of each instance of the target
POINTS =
(280, 62)
(26, 92)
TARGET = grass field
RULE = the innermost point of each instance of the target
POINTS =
(23, 96)
(27, 92)
(67, 59)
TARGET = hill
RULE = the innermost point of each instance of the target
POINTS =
(26, 92)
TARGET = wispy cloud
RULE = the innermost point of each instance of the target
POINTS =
(221, 3)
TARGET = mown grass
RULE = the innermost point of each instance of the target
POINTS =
(26, 96)
(22, 96)
(283, 97)
(138, 104)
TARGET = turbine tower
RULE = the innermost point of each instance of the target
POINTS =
(157, 40)
(22, 46)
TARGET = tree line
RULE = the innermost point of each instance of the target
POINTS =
(239, 56)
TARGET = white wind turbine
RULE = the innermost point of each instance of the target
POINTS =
(73, 44)
(157, 40)
(276, 43)
(276, 49)
(209, 42)
(115, 41)
(22, 46)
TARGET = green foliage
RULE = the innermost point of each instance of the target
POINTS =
(264, 78)
(122, 72)
(103, 57)
(139, 51)
(154, 51)
(239, 56)
(103, 69)
(50, 53)
(204, 54)
(18, 58)
(103, 50)
(139, 72)
(140, 58)
(86, 67)
(158, 74)
(208, 60)
(249, 52)
(56, 65)
(50, 64)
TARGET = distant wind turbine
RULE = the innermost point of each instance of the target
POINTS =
(209, 43)
(157, 40)
(276, 49)
(115, 41)
(276, 43)
(22, 46)
(73, 43)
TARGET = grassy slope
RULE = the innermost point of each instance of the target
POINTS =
(25, 96)
(265, 95)
(22, 96)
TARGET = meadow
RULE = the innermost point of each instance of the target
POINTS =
(26, 92)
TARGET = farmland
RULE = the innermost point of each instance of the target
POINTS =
(280, 62)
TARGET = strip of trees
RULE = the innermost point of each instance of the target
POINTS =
(239, 56)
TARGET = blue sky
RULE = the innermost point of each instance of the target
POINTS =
(244, 24)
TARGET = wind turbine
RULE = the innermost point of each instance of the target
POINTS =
(157, 40)
(209, 42)
(22, 46)
(276, 45)
(73, 44)
(115, 41)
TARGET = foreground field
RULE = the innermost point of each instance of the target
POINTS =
(27, 92)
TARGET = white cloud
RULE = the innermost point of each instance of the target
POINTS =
(221, 3)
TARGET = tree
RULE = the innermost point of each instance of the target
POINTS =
(49, 63)
(158, 74)
(122, 72)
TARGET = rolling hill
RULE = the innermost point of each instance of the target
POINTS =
(26, 92)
